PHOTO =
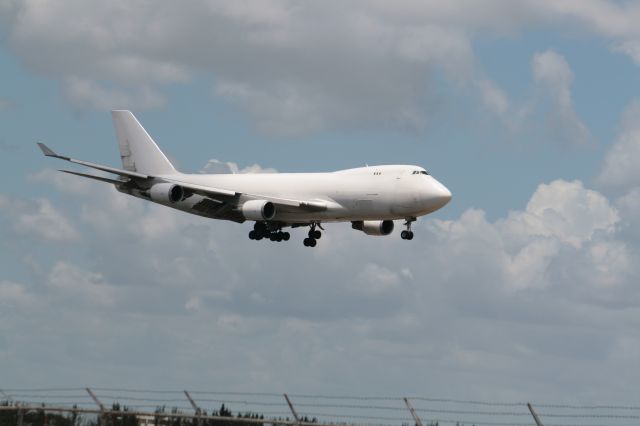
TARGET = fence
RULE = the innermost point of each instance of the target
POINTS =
(111, 405)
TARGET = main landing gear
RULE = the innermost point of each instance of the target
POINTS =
(260, 231)
(408, 234)
(314, 235)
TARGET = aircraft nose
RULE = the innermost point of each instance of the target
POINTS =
(441, 194)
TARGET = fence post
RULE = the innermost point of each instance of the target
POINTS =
(99, 404)
(293, 410)
(415, 416)
(535, 416)
(20, 415)
(195, 407)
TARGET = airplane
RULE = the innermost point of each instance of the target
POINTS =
(371, 197)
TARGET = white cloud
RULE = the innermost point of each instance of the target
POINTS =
(62, 182)
(374, 65)
(275, 59)
(620, 170)
(15, 295)
(565, 211)
(84, 93)
(553, 73)
(464, 293)
(215, 166)
(376, 279)
(38, 218)
(519, 251)
(72, 283)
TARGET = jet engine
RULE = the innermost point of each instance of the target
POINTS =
(374, 227)
(166, 193)
(258, 210)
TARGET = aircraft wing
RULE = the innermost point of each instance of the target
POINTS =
(221, 195)
(225, 195)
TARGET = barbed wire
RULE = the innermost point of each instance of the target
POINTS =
(346, 407)
(329, 397)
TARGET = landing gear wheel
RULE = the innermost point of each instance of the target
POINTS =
(316, 234)
(253, 235)
(408, 233)
(286, 236)
(309, 242)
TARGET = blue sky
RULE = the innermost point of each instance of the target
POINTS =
(527, 111)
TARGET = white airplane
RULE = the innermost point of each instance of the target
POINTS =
(371, 198)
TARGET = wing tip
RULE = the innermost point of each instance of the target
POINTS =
(48, 152)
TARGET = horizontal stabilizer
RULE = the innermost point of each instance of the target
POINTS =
(50, 153)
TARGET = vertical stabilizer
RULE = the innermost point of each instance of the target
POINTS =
(138, 151)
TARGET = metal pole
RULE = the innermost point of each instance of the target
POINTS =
(99, 404)
(415, 416)
(535, 416)
(20, 415)
(195, 407)
(293, 410)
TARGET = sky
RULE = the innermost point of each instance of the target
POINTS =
(524, 287)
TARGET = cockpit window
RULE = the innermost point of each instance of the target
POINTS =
(419, 172)
(424, 172)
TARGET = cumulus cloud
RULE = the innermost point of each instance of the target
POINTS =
(562, 220)
(619, 171)
(277, 60)
(38, 218)
(553, 73)
(566, 211)
(215, 166)
(84, 93)
(15, 295)
(62, 182)
(72, 283)
(467, 292)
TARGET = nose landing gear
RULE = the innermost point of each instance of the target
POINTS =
(408, 233)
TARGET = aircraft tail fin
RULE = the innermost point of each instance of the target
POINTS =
(138, 151)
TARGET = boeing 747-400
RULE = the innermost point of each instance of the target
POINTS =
(371, 197)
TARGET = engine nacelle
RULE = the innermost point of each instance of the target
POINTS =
(258, 210)
(166, 193)
(374, 227)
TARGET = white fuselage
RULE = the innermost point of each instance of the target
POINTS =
(366, 193)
